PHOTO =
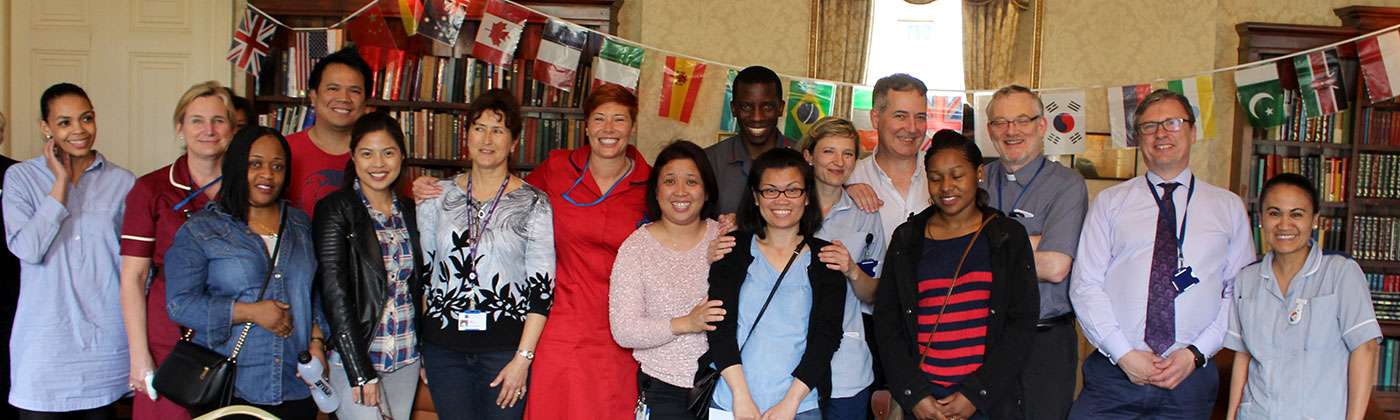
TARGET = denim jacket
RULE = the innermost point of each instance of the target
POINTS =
(215, 261)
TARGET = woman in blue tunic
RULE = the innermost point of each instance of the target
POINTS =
(1302, 327)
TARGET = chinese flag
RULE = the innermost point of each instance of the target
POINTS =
(370, 30)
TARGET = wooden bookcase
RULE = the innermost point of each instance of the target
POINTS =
(1265, 40)
(599, 15)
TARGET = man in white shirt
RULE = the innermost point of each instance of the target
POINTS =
(895, 173)
(1151, 286)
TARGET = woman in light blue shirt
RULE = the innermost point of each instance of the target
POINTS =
(788, 351)
(63, 215)
(832, 145)
(1302, 327)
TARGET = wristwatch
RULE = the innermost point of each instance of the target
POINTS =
(1200, 358)
(528, 355)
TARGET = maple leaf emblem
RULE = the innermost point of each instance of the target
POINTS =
(498, 33)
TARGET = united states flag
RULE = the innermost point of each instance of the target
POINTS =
(250, 42)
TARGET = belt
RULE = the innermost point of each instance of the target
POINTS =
(1054, 321)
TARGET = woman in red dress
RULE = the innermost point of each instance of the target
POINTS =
(597, 193)
(157, 205)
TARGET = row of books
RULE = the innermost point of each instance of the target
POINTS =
(454, 79)
(1389, 374)
(1378, 176)
(545, 132)
(288, 119)
(1380, 126)
(1376, 238)
(1329, 233)
(1329, 174)
(1333, 128)
(1384, 283)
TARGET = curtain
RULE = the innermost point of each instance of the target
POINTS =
(839, 43)
(989, 41)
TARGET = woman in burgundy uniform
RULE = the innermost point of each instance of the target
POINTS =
(597, 194)
(157, 205)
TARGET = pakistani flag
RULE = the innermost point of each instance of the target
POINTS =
(807, 102)
(1320, 82)
(619, 64)
(1261, 94)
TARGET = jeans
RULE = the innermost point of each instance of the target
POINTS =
(396, 392)
(460, 384)
(664, 401)
(853, 407)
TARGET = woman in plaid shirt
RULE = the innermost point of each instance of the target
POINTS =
(367, 245)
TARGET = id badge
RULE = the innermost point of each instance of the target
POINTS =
(471, 321)
(868, 266)
(1184, 280)
(1296, 315)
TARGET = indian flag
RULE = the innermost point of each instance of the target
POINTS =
(679, 87)
(1201, 93)
(860, 115)
(1380, 63)
(619, 64)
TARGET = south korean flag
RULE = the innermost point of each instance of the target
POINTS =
(1064, 131)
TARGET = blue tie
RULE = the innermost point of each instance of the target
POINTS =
(1161, 297)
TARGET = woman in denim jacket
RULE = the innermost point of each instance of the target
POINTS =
(219, 260)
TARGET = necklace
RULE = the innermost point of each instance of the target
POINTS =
(263, 227)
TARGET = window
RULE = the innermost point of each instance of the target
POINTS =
(924, 41)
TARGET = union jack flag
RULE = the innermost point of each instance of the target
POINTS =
(251, 42)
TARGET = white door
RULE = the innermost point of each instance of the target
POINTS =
(133, 57)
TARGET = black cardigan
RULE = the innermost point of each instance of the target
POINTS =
(351, 277)
(824, 324)
(994, 388)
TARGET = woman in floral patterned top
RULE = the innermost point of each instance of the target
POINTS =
(490, 240)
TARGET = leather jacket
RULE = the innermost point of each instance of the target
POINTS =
(352, 279)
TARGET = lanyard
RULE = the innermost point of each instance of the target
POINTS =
(585, 173)
(196, 193)
(1185, 211)
(476, 226)
(1023, 190)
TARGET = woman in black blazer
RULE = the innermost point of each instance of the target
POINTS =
(965, 274)
(367, 246)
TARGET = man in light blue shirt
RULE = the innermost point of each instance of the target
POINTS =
(1153, 294)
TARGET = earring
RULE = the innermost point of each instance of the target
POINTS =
(48, 137)
(1314, 227)
(182, 138)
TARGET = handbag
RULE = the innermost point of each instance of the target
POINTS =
(698, 403)
(198, 378)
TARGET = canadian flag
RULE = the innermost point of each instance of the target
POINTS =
(499, 33)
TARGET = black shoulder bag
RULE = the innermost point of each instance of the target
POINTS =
(198, 378)
(707, 378)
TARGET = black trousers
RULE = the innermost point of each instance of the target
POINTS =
(100, 413)
(1047, 382)
(666, 401)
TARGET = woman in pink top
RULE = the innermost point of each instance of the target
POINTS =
(657, 304)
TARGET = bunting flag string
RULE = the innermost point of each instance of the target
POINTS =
(615, 38)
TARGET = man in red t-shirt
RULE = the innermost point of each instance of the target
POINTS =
(340, 82)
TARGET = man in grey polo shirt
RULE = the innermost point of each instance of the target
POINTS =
(1050, 200)
(757, 107)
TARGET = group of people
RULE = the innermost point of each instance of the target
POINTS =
(816, 283)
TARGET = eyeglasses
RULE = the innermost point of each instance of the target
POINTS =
(1172, 125)
(771, 193)
(1020, 123)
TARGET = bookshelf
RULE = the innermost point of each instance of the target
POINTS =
(428, 86)
(1356, 146)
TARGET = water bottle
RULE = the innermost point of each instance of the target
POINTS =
(310, 371)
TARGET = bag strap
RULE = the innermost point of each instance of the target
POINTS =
(924, 353)
(795, 252)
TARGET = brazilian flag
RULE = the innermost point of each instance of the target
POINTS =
(807, 102)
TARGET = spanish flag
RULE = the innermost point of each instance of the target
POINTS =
(679, 87)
